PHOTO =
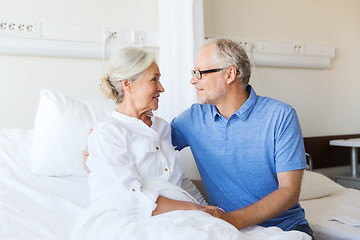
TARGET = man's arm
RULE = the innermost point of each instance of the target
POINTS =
(286, 196)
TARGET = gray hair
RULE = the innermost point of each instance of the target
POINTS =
(126, 64)
(230, 53)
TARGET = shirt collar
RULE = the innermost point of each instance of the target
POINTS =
(245, 110)
(123, 117)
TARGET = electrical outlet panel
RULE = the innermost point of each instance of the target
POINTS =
(137, 37)
(116, 35)
(17, 27)
(298, 48)
(247, 45)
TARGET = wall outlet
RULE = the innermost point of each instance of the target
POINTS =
(298, 48)
(17, 27)
(137, 37)
(116, 35)
(247, 45)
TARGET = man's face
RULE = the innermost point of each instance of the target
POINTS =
(211, 88)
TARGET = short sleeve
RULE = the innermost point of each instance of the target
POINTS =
(178, 139)
(289, 145)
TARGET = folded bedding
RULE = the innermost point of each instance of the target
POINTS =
(335, 216)
(41, 207)
(348, 220)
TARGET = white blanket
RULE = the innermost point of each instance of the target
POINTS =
(34, 207)
(100, 222)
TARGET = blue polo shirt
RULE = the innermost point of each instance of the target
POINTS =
(239, 158)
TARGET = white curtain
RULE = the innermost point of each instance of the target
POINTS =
(181, 29)
(181, 32)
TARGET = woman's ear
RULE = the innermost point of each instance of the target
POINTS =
(230, 74)
(126, 85)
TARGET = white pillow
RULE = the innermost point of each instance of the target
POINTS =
(61, 130)
(316, 185)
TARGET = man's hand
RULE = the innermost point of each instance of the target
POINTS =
(86, 155)
(219, 213)
(270, 206)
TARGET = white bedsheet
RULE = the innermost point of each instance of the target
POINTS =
(41, 208)
(33, 207)
(333, 217)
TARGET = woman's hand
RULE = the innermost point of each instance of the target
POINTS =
(85, 154)
(165, 205)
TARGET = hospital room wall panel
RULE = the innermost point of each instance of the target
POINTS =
(327, 101)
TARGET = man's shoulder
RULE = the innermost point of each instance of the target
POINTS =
(193, 114)
(198, 108)
(195, 110)
(272, 105)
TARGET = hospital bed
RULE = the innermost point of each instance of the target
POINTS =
(44, 188)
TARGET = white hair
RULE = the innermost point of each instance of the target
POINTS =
(126, 64)
(230, 53)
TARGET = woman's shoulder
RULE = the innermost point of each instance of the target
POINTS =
(160, 121)
(110, 126)
(160, 125)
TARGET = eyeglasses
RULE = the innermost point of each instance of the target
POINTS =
(199, 73)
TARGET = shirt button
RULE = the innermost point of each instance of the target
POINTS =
(166, 169)
(157, 148)
(133, 189)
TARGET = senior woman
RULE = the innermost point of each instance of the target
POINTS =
(132, 147)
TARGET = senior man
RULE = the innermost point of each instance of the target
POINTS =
(248, 149)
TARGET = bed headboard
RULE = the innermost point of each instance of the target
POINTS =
(324, 155)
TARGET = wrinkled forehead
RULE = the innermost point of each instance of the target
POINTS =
(205, 57)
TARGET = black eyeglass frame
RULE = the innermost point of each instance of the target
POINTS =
(199, 73)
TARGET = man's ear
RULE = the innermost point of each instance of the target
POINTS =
(230, 74)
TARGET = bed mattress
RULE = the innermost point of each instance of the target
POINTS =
(335, 217)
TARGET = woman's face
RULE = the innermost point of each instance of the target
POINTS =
(147, 88)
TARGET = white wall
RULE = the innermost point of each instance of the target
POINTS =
(327, 101)
(21, 78)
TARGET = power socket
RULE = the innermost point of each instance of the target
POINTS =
(247, 45)
(116, 35)
(137, 37)
(298, 48)
(3, 25)
(16, 27)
